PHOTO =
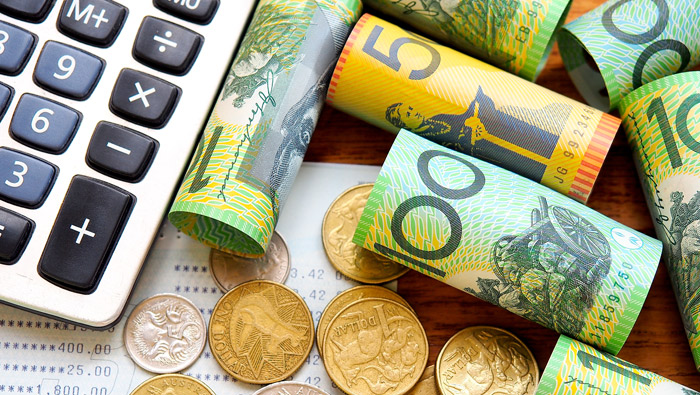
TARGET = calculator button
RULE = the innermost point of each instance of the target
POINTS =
(197, 11)
(26, 10)
(120, 152)
(24, 179)
(88, 226)
(95, 22)
(143, 99)
(67, 71)
(15, 231)
(16, 45)
(44, 124)
(166, 46)
(5, 96)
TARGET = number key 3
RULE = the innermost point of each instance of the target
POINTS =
(24, 179)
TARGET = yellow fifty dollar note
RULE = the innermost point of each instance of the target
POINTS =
(395, 79)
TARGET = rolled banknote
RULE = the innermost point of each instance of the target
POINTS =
(577, 368)
(509, 241)
(259, 129)
(395, 79)
(662, 122)
(624, 44)
(515, 35)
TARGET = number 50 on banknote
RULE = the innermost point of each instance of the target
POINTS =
(509, 241)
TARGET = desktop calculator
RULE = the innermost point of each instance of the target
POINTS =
(102, 104)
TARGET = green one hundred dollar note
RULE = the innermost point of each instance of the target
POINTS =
(577, 368)
(514, 35)
(662, 122)
(624, 44)
(509, 241)
(260, 127)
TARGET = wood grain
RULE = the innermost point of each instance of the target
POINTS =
(657, 342)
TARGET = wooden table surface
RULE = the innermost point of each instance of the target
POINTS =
(657, 341)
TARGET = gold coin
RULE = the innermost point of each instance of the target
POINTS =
(427, 384)
(231, 270)
(165, 333)
(290, 387)
(261, 332)
(486, 360)
(172, 384)
(375, 346)
(346, 297)
(339, 225)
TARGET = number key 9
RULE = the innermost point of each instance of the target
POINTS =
(67, 71)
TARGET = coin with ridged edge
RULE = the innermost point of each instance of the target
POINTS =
(339, 225)
(172, 384)
(375, 346)
(230, 270)
(486, 360)
(290, 388)
(348, 296)
(261, 332)
(165, 333)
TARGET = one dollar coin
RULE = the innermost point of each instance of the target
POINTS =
(339, 225)
(261, 332)
(486, 360)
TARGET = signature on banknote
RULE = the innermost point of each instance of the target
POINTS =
(265, 97)
(410, 8)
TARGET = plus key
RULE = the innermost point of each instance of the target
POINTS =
(87, 227)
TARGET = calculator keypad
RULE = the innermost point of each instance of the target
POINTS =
(44, 124)
(67, 71)
(94, 22)
(120, 152)
(16, 45)
(143, 99)
(88, 225)
(15, 231)
(197, 11)
(166, 46)
(24, 180)
(27, 10)
(88, 127)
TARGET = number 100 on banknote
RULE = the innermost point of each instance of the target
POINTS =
(509, 241)
(469, 106)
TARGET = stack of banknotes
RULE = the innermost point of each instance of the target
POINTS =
(485, 185)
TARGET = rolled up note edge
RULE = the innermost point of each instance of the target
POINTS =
(660, 87)
(227, 230)
(633, 307)
(590, 82)
(588, 169)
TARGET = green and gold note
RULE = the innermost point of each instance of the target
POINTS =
(577, 368)
(624, 44)
(662, 122)
(509, 241)
(258, 132)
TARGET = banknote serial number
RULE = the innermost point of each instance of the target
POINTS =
(572, 146)
(614, 301)
(524, 32)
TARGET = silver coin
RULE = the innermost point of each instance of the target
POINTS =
(230, 270)
(290, 387)
(165, 333)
